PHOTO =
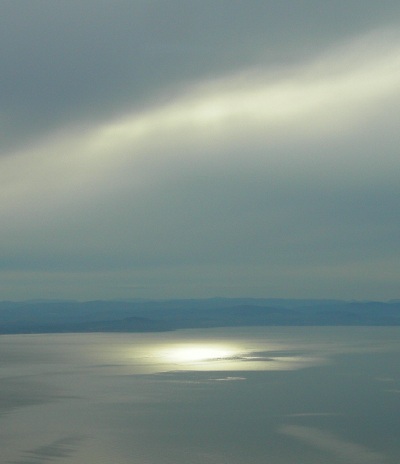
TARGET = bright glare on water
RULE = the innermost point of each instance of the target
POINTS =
(191, 353)
(246, 395)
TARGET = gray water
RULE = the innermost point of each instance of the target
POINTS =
(243, 395)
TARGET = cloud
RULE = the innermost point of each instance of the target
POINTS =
(85, 60)
(259, 171)
(332, 94)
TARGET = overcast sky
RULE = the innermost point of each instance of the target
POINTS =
(202, 148)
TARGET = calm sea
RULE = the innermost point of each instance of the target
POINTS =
(244, 395)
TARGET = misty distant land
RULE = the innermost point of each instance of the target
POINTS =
(50, 316)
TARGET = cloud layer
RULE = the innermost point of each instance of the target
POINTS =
(274, 175)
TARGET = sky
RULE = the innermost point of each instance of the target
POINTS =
(169, 149)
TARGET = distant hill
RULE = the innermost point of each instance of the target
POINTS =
(157, 315)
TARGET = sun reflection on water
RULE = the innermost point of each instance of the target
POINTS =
(228, 357)
(193, 353)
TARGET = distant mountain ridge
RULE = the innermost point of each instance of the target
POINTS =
(57, 316)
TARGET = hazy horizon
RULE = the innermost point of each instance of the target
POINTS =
(215, 297)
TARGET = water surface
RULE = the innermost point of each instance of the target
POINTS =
(244, 395)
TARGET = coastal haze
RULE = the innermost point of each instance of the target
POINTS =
(169, 149)
(167, 315)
